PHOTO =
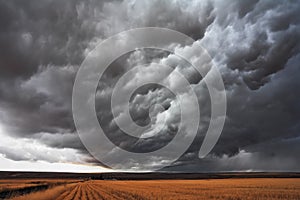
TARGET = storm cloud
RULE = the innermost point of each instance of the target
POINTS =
(254, 44)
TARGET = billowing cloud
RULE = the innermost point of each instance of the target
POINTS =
(254, 44)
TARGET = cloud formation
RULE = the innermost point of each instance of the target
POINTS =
(254, 44)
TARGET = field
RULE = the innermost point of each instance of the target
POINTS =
(231, 189)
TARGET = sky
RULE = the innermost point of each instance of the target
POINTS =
(255, 45)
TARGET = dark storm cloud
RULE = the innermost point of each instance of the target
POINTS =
(255, 45)
(271, 113)
(37, 33)
(38, 41)
(271, 156)
(40, 104)
(260, 42)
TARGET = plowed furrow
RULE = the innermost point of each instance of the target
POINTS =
(77, 195)
(94, 194)
(123, 194)
(68, 194)
(105, 194)
(85, 191)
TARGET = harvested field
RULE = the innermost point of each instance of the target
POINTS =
(231, 189)
(19, 187)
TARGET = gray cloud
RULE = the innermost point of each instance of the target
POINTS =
(254, 44)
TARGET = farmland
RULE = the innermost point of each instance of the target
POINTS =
(231, 189)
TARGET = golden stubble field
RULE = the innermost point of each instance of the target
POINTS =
(230, 189)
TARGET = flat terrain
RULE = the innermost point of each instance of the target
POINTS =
(231, 189)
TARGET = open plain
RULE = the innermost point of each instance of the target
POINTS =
(84, 188)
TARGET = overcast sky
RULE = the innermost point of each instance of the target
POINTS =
(254, 44)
